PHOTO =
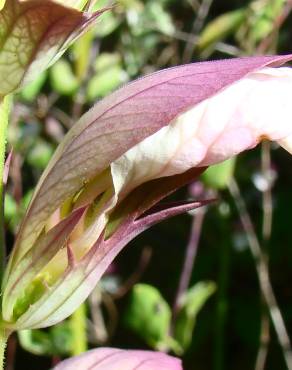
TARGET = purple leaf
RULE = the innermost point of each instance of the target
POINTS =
(125, 155)
(122, 120)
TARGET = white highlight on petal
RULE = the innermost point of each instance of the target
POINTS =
(286, 143)
(173, 149)
(237, 118)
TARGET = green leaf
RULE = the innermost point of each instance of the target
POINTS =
(160, 17)
(109, 22)
(10, 209)
(105, 82)
(35, 341)
(54, 342)
(33, 35)
(107, 60)
(14, 212)
(260, 23)
(109, 75)
(61, 337)
(264, 18)
(40, 154)
(219, 175)
(148, 314)
(220, 28)
(62, 78)
(81, 52)
(31, 91)
(190, 305)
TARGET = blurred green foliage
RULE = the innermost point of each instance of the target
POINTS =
(191, 302)
(56, 341)
(218, 176)
(149, 315)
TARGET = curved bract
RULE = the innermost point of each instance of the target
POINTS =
(127, 153)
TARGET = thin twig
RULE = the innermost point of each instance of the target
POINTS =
(136, 275)
(232, 50)
(266, 43)
(267, 193)
(194, 4)
(264, 341)
(102, 329)
(266, 235)
(190, 256)
(112, 311)
(263, 275)
(99, 326)
(197, 26)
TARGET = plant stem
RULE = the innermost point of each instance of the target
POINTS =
(267, 194)
(78, 329)
(202, 14)
(190, 256)
(263, 275)
(265, 336)
(5, 106)
(3, 343)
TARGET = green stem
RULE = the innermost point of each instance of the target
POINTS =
(3, 343)
(78, 329)
(5, 106)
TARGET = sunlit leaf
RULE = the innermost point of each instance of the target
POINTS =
(148, 314)
(63, 79)
(33, 35)
(31, 91)
(190, 305)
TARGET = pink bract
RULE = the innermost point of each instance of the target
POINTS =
(117, 359)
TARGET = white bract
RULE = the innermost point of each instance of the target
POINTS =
(252, 109)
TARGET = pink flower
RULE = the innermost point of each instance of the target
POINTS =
(117, 359)
(127, 153)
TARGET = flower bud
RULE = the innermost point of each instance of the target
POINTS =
(131, 150)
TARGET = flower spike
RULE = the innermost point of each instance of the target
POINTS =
(125, 155)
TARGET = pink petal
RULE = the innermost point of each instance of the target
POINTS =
(118, 359)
